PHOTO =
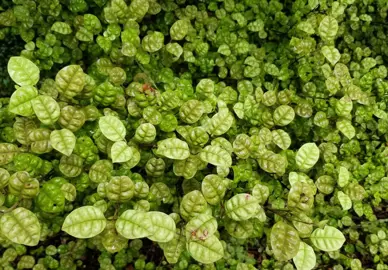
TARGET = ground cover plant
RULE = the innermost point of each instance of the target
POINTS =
(185, 134)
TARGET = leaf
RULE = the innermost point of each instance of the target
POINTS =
(63, 141)
(7, 152)
(21, 226)
(134, 224)
(173, 249)
(343, 176)
(328, 238)
(46, 109)
(70, 80)
(281, 139)
(61, 28)
(307, 156)
(220, 123)
(345, 201)
(328, 28)
(163, 227)
(112, 128)
(23, 71)
(284, 241)
(173, 148)
(201, 227)
(346, 128)
(121, 152)
(207, 251)
(283, 115)
(216, 156)
(84, 222)
(20, 101)
(241, 206)
(331, 54)
(213, 188)
(305, 259)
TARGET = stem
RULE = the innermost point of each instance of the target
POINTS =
(10, 209)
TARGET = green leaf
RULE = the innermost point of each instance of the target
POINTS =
(121, 152)
(63, 141)
(328, 238)
(70, 80)
(343, 176)
(283, 115)
(61, 28)
(20, 102)
(345, 201)
(284, 241)
(328, 28)
(213, 188)
(207, 251)
(112, 128)
(307, 156)
(346, 128)
(216, 156)
(331, 54)
(305, 259)
(162, 227)
(21, 226)
(173, 148)
(241, 207)
(23, 71)
(84, 222)
(134, 224)
(201, 227)
(173, 249)
(281, 139)
(46, 109)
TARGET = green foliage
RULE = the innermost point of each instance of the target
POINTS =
(177, 134)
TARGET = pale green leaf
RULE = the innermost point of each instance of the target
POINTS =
(46, 109)
(331, 54)
(343, 176)
(284, 241)
(207, 251)
(241, 206)
(21, 226)
(121, 152)
(134, 224)
(346, 128)
(307, 156)
(112, 128)
(23, 71)
(63, 141)
(345, 201)
(20, 101)
(163, 227)
(328, 238)
(305, 259)
(84, 222)
(216, 156)
(201, 227)
(173, 148)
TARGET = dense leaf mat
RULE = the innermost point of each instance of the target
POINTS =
(187, 134)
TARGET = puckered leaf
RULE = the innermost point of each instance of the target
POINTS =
(84, 222)
(23, 71)
(173, 148)
(63, 141)
(328, 238)
(46, 109)
(20, 102)
(307, 156)
(21, 226)
(134, 224)
(121, 152)
(241, 207)
(216, 156)
(305, 259)
(207, 251)
(163, 227)
(112, 128)
(284, 241)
